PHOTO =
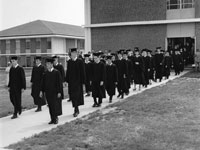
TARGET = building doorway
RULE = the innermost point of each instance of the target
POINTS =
(187, 44)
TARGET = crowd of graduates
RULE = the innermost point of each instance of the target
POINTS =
(98, 72)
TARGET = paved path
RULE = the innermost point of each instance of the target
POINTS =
(31, 123)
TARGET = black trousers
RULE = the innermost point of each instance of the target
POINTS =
(15, 98)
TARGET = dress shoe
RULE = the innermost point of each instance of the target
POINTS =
(118, 95)
(98, 105)
(110, 101)
(75, 114)
(51, 122)
(14, 117)
(94, 105)
(20, 112)
(38, 109)
(55, 122)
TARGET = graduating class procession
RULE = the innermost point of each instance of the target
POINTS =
(95, 73)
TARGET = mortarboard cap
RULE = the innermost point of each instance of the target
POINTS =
(108, 56)
(136, 48)
(73, 50)
(158, 47)
(49, 59)
(86, 55)
(149, 50)
(55, 57)
(96, 54)
(38, 57)
(14, 58)
(121, 51)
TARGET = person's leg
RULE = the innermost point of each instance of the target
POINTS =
(95, 102)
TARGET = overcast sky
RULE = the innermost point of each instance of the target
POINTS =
(16, 12)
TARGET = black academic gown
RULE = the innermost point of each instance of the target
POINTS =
(167, 62)
(36, 80)
(177, 63)
(130, 73)
(88, 72)
(151, 72)
(17, 82)
(111, 79)
(122, 69)
(158, 58)
(147, 63)
(60, 68)
(75, 77)
(138, 71)
(98, 75)
(51, 86)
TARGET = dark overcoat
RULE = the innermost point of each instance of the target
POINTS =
(36, 80)
(75, 77)
(111, 79)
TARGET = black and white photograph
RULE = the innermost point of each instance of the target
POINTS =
(99, 74)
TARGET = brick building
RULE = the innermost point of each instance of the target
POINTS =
(115, 24)
(39, 38)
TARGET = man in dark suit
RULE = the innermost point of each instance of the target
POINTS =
(16, 85)
(36, 79)
(111, 77)
(52, 87)
(75, 77)
(158, 64)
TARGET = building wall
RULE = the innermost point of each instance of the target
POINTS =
(12, 46)
(58, 45)
(108, 11)
(115, 38)
(44, 45)
(70, 43)
(198, 35)
(197, 8)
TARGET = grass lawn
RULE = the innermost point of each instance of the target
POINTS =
(162, 118)
(6, 107)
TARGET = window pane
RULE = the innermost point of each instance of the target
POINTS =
(174, 2)
(37, 44)
(49, 45)
(187, 5)
(27, 45)
(174, 6)
(187, 1)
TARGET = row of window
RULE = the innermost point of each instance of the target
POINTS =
(180, 4)
(28, 44)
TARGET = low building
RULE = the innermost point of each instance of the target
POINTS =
(39, 38)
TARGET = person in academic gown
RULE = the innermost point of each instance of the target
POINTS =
(88, 72)
(158, 58)
(147, 67)
(151, 72)
(111, 77)
(16, 85)
(177, 62)
(138, 69)
(130, 71)
(167, 63)
(122, 69)
(75, 77)
(52, 87)
(36, 80)
(98, 80)
(58, 66)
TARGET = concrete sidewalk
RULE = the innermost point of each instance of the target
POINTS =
(30, 123)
